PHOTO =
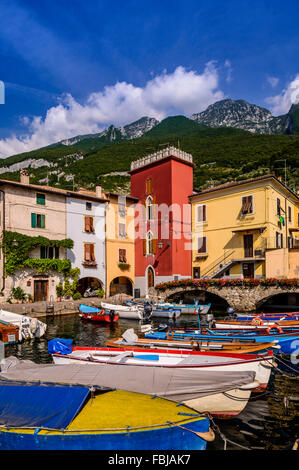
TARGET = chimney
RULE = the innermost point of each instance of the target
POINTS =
(99, 191)
(24, 176)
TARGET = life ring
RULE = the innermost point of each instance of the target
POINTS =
(169, 335)
(257, 321)
(276, 328)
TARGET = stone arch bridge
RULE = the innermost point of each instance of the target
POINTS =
(243, 299)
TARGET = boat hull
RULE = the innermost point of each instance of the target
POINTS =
(173, 438)
(98, 318)
(166, 313)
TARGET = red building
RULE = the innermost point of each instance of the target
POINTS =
(162, 182)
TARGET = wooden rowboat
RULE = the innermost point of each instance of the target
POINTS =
(200, 345)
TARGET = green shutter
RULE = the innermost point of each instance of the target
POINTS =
(33, 220)
(40, 199)
(43, 252)
(56, 252)
(42, 221)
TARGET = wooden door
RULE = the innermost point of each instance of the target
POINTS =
(248, 270)
(248, 246)
(150, 278)
(40, 290)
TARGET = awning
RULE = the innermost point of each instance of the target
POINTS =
(40, 406)
(261, 229)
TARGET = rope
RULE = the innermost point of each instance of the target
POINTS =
(222, 436)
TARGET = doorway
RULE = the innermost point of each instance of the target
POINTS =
(150, 278)
(248, 246)
(248, 270)
(40, 290)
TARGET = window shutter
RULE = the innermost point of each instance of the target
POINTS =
(91, 224)
(202, 245)
(43, 252)
(154, 246)
(92, 257)
(57, 252)
(42, 221)
(86, 252)
(86, 224)
(33, 220)
(40, 199)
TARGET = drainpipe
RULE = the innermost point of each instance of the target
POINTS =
(3, 252)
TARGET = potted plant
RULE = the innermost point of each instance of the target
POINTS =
(124, 266)
(59, 291)
(29, 298)
(100, 293)
(18, 294)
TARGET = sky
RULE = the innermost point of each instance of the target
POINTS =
(76, 67)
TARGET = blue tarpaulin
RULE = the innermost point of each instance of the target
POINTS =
(60, 345)
(40, 406)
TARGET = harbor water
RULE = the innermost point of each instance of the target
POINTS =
(270, 421)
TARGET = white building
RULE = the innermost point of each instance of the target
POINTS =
(85, 219)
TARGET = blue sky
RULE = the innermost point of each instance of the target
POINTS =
(72, 67)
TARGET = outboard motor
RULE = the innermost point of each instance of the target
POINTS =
(210, 320)
(162, 327)
(147, 311)
(231, 313)
(111, 315)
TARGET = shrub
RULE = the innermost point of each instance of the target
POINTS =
(100, 292)
(77, 296)
(18, 293)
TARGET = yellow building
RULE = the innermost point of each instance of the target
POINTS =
(237, 224)
(120, 246)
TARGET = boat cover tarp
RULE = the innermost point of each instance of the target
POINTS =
(171, 383)
(35, 406)
(88, 309)
(60, 345)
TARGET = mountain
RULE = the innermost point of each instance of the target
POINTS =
(111, 135)
(220, 154)
(243, 115)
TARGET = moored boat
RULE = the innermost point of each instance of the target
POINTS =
(255, 323)
(56, 417)
(268, 316)
(223, 395)
(97, 315)
(125, 311)
(166, 312)
(28, 327)
(185, 308)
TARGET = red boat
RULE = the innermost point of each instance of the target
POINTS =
(97, 315)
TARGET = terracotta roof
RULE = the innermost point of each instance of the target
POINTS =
(231, 184)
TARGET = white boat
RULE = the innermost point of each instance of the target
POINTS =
(28, 327)
(166, 312)
(185, 360)
(125, 311)
(185, 308)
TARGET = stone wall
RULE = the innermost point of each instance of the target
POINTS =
(240, 298)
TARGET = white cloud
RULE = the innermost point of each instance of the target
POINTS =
(273, 81)
(180, 92)
(229, 68)
(281, 103)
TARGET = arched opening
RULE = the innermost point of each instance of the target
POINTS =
(203, 297)
(89, 283)
(149, 208)
(121, 285)
(288, 302)
(150, 277)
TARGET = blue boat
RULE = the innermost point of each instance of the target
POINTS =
(289, 343)
(58, 417)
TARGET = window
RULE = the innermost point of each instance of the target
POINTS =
(37, 220)
(88, 206)
(121, 209)
(122, 231)
(49, 252)
(290, 213)
(149, 208)
(122, 255)
(247, 205)
(196, 273)
(279, 240)
(202, 245)
(88, 224)
(278, 206)
(41, 199)
(202, 213)
(89, 252)
(148, 186)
